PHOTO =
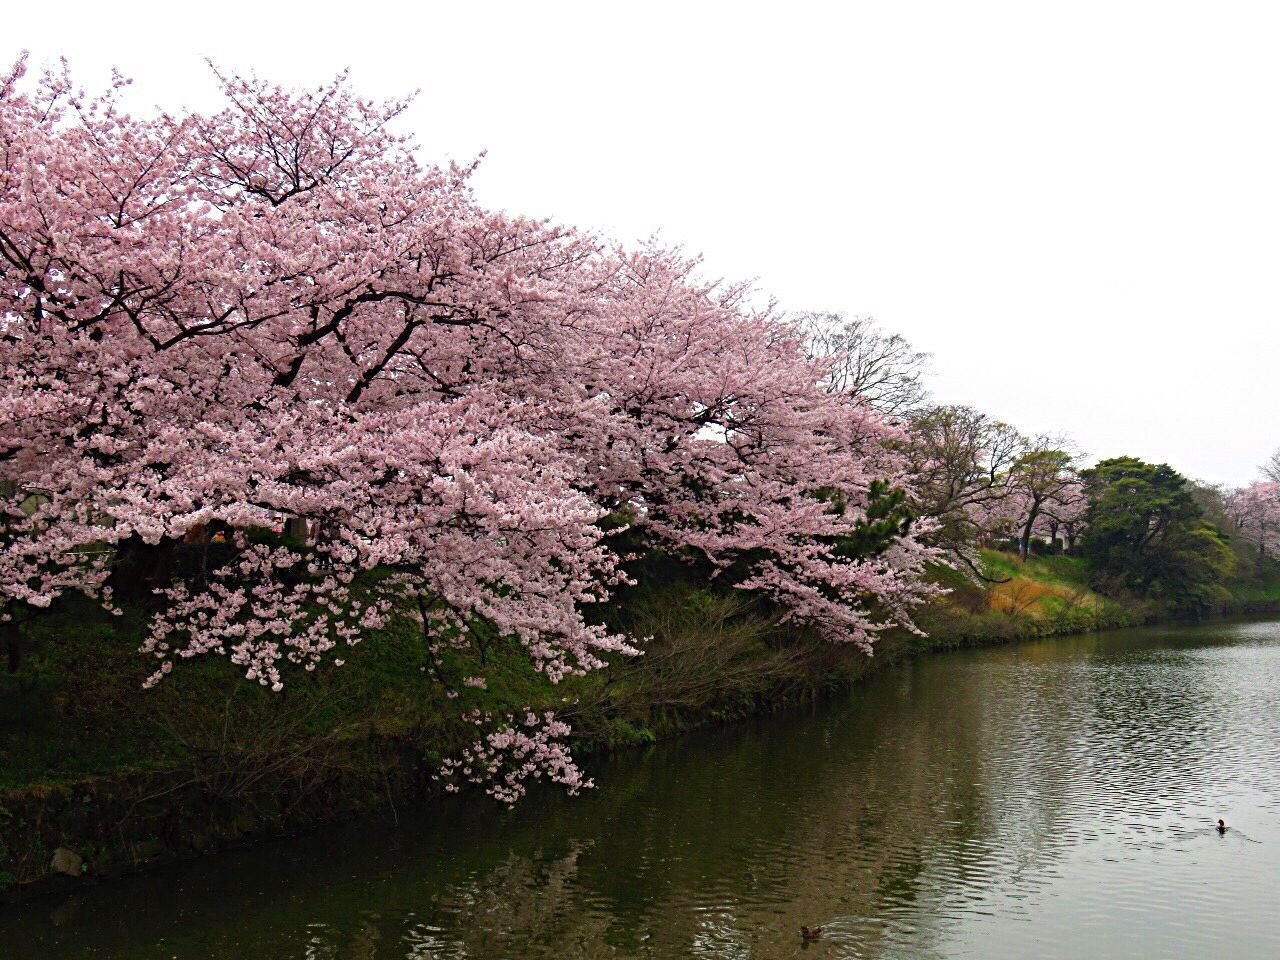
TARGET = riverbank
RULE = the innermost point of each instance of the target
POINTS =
(124, 779)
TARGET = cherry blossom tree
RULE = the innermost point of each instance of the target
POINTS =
(217, 327)
(981, 481)
(1042, 478)
(1021, 517)
(1255, 511)
(1063, 515)
(960, 458)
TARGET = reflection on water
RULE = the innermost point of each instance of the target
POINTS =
(1047, 800)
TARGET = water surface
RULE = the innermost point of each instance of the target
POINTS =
(1049, 800)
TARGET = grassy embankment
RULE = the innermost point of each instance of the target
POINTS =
(123, 776)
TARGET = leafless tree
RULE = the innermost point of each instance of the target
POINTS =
(1271, 469)
(961, 458)
(882, 368)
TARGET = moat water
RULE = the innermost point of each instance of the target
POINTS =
(1047, 800)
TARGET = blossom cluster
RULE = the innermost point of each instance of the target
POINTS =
(513, 752)
(216, 325)
(1255, 511)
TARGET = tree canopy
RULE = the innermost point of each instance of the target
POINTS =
(1146, 534)
(274, 316)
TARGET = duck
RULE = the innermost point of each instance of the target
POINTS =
(808, 933)
(1222, 826)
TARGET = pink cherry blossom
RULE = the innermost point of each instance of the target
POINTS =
(275, 316)
(1255, 511)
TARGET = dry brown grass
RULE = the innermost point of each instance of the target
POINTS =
(1022, 596)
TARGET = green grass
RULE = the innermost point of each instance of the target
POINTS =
(1055, 569)
(1259, 591)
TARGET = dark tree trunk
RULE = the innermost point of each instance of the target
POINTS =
(1024, 539)
(13, 642)
(141, 567)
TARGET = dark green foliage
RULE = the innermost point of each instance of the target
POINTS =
(1147, 536)
(888, 520)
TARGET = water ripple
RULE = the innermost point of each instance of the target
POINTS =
(1052, 800)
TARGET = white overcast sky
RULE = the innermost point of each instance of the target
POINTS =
(1074, 206)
